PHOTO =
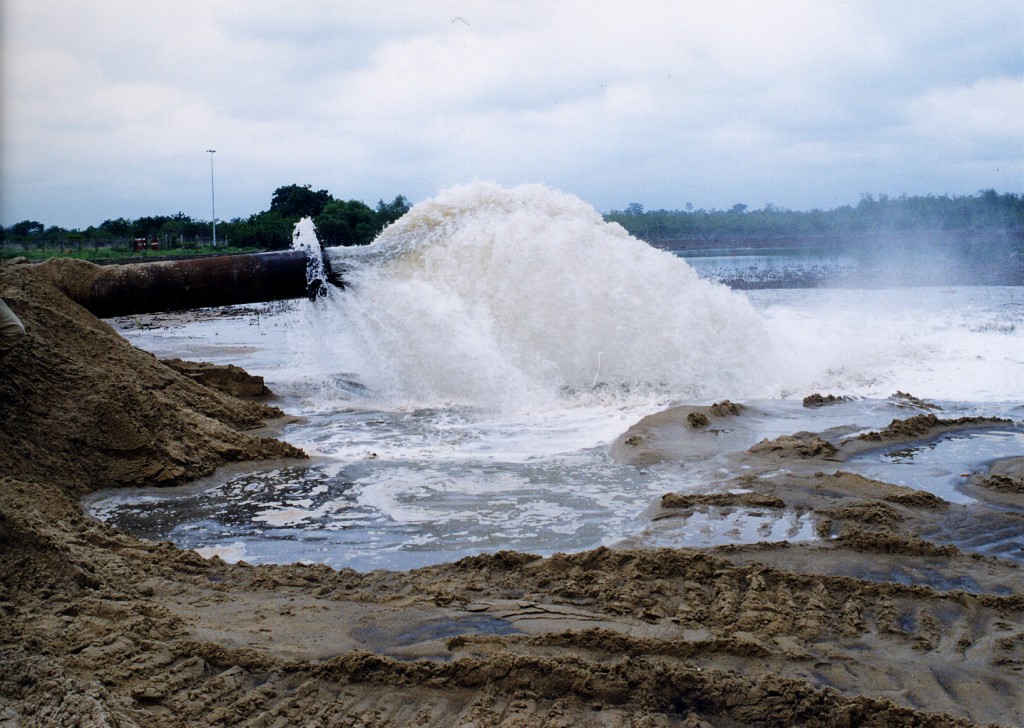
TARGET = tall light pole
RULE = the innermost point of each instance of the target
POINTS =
(213, 199)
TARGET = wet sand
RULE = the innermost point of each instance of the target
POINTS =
(896, 615)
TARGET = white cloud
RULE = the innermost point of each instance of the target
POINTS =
(803, 104)
(988, 111)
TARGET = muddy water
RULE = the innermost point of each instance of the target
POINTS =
(461, 395)
(405, 490)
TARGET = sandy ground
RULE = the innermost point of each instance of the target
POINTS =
(887, 620)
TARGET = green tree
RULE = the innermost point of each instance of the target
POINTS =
(26, 228)
(389, 212)
(149, 226)
(293, 201)
(268, 230)
(119, 228)
(346, 223)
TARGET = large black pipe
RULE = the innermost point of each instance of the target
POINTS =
(121, 290)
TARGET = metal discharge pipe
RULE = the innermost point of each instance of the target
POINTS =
(121, 290)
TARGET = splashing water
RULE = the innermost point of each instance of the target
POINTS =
(304, 239)
(461, 391)
(525, 299)
(509, 298)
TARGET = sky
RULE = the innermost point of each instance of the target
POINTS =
(109, 106)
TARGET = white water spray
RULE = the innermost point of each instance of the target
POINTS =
(508, 298)
(304, 239)
(526, 299)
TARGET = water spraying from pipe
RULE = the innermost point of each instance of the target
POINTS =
(502, 297)
(317, 269)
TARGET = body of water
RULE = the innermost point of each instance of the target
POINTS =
(460, 395)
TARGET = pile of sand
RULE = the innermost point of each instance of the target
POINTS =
(100, 628)
(82, 409)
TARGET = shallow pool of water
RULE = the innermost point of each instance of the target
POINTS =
(942, 465)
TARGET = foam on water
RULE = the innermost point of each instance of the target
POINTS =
(713, 526)
(232, 552)
(963, 344)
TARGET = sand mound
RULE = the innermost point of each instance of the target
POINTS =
(81, 408)
(228, 379)
(798, 445)
(920, 426)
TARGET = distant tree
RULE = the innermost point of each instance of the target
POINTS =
(269, 230)
(346, 223)
(987, 210)
(173, 228)
(26, 228)
(293, 201)
(150, 226)
(389, 212)
(119, 228)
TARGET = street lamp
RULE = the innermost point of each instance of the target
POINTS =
(213, 199)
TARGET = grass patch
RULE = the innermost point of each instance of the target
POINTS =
(120, 253)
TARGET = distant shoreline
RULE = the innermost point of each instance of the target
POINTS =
(912, 259)
(888, 238)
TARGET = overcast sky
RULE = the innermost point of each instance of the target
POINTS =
(108, 106)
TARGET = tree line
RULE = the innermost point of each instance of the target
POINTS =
(986, 211)
(338, 222)
(352, 222)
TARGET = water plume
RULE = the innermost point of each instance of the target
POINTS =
(506, 298)
(304, 238)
